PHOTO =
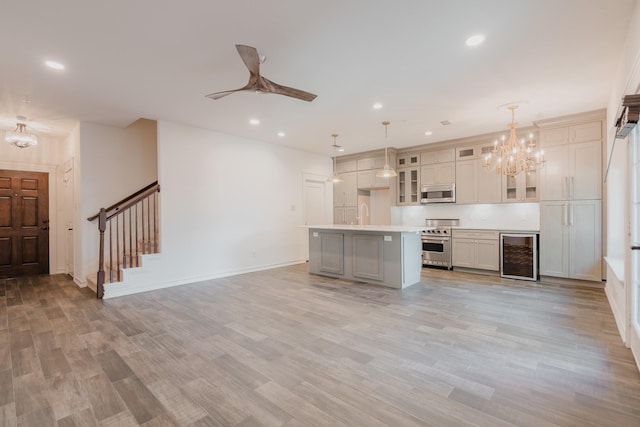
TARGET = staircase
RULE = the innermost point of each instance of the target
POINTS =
(128, 234)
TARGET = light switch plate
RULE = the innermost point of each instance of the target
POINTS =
(387, 238)
(315, 234)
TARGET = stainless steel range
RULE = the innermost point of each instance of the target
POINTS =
(436, 242)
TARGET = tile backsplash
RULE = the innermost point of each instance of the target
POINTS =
(507, 216)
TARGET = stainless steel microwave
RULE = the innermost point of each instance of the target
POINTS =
(438, 193)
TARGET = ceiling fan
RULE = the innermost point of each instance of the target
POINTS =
(259, 84)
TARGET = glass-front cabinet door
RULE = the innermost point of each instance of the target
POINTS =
(520, 188)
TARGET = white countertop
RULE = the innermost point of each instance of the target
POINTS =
(382, 228)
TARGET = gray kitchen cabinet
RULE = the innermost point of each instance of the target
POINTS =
(520, 188)
(572, 172)
(368, 256)
(409, 159)
(331, 253)
(409, 186)
(439, 156)
(368, 180)
(571, 239)
(439, 173)
(345, 199)
(476, 249)
(345, 215)
(474, 184)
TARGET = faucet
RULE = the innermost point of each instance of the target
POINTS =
(364, 205)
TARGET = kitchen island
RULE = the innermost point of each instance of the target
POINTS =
(385, 255)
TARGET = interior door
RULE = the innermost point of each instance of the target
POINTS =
(24, 223)
(315, 201)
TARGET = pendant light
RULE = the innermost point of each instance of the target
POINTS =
(20, 137)
(387, 171)
(335, 178)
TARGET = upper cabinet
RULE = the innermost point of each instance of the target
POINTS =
(582, 132)
(573, 167)
(409, 159)
(520, 188)
(474, 184)
(439, 156)
(409, 186)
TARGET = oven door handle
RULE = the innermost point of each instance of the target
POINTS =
(435, 241)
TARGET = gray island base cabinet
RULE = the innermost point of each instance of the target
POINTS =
(384, 255)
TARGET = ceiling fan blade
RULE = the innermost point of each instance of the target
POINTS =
(288, 91)
(250, 58)
(218, 95)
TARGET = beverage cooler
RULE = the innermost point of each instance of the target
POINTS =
(519, 256)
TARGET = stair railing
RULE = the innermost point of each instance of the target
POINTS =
(128, 229)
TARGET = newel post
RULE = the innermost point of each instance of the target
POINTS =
(102, 225)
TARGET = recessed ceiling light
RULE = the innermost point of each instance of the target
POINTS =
(281, 134)
(377, 106)
(341, 149)
(54, 65)
(428, 133)
(254, 122)
(475, 40)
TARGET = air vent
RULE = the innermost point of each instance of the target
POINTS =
(445, 123)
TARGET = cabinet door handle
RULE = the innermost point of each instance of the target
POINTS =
(565, 213)
(573, 187)
(571, 217)
(565, 188)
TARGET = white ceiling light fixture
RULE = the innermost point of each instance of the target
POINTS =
(428, 133)
(377, 106)
(55, 65)
(254, 122)
(475, 40)
(20, 137)
(511, 155)
(387, 171)
(334, 178)
(281, 134)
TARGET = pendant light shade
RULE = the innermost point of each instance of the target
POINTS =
(387, 171)
(334, 178)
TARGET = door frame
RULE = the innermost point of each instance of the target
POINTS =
(52, 170)
(327, 210)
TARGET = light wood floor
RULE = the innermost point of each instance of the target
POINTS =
(283, 348)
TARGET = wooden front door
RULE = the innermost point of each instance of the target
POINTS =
(24, 223)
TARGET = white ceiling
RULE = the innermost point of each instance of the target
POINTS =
(157, 59)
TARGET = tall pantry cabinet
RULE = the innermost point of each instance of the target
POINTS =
(571, 200)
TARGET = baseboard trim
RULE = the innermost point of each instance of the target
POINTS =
(121, 289)
(634, 343)
(573, 282)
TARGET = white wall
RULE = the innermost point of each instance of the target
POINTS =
(114, 164)
(618, 289)
(507, 216)
(228, 204)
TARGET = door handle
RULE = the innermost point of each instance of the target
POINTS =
(44, 228)
(565, 212)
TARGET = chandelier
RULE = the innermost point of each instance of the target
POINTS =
(387, 171)
(334, 178)
(20, 137)
(511, 155)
